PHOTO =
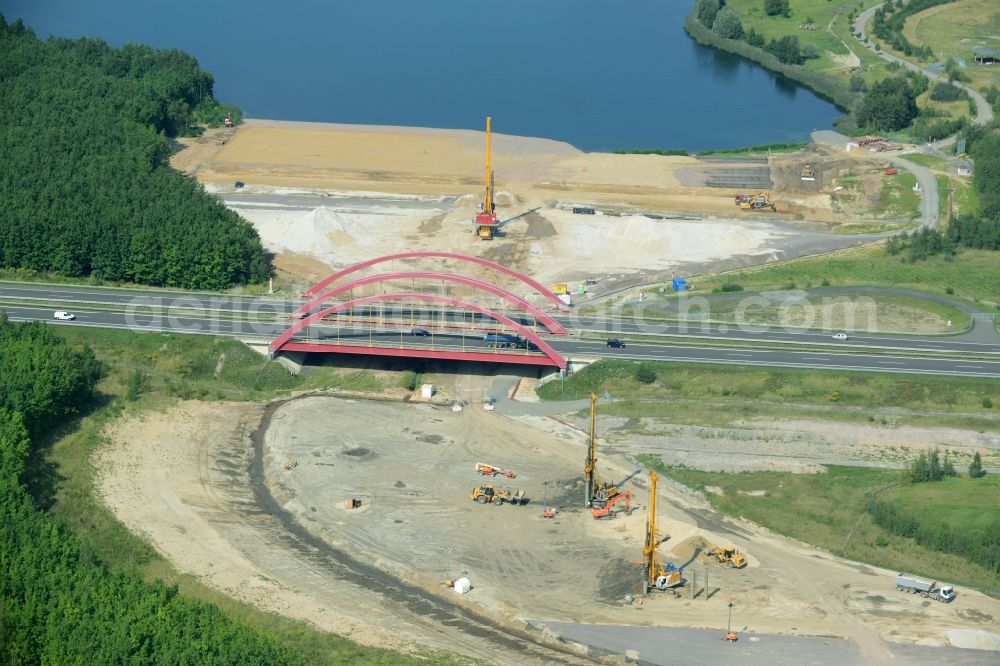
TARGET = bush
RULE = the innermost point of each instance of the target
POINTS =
(976, 466)
(727, 24)
(411, 380)
(777, 7)
(858, 83)
(138, 383)
(644, 374)
(730, 287)
(946, 92)
(987, 403)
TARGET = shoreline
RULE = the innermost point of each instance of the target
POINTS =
(822, 86)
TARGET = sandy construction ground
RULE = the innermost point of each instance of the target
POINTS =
(326, 195)
(272, 530)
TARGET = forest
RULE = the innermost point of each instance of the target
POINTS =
(87, 190)
(58, 605)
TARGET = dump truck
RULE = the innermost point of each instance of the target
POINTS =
(926, 588)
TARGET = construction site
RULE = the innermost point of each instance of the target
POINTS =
(473, 518)
(325, 196)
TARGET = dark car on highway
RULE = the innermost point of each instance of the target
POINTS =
(616, 342)
(419, 331)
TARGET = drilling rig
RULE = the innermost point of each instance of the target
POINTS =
(486, 218)
(654, 574)
(598, 492)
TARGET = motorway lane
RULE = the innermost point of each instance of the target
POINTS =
(569, 348)
(74, 298)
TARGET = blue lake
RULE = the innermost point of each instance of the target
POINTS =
(601, 75)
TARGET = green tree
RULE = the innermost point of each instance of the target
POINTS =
(976, 466)
(888, 105)
(787, 50)
(857, 83)
(707, 10)
(727, 23)
(777, 7)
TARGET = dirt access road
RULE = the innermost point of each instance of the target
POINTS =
(270, 529)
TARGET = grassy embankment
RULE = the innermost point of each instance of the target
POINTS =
(828, 511)
(954, 30)
(155, 369)
(719, 395)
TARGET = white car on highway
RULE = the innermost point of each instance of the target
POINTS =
(840, 336)
(62, 315)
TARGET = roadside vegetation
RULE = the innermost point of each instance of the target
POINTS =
(58, 601)
(86, 186)
(696, 393)
(135, 607)
(828, 510)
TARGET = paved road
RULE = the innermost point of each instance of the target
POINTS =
(984, 112)
(704, 647)
(570, 348)
(182, 304)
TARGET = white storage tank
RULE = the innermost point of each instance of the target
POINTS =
(462, 585)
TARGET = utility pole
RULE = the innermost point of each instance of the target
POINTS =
(706, 582)
(729, 623)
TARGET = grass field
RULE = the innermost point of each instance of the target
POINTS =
(828, 511)
(751, 390)
(954, 30)
(897, 199)
(865, 312)
(186, 366)
(972, 276)
(958, 501)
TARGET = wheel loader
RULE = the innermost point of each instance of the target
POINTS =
(487, 494)
(727, 555)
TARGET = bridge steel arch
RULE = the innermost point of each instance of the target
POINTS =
(551, 324)
(283, 341)
(534, 284)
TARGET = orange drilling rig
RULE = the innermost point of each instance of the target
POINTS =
(486, 218)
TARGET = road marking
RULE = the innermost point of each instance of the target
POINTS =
(814, 358)
(737, 354)
(970, 367)
(890, 362)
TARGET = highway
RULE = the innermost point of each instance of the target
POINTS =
(227, 316)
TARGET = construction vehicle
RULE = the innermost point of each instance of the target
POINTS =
(604, 511)
(727, 555)
(928, 589)
(486, 218)
(754, 201)
(561, 288)
(492, 470)
(596, 490)
(808, 173)
(654, 574)
(487, 494)
(228, 122)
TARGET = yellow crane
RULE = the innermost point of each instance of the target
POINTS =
(654, 574)
(486, 218)
(598, 492)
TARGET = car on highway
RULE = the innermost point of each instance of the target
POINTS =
(419, 331)
(616, 342)
(840, 336)
(62, 315)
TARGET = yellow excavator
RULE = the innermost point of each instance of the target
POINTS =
(598, 492)
(656, 576)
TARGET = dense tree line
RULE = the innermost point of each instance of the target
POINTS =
(889, 105)
(981, 545)
(887, 25)
(984, 147)
(928, 466)
(58, 605)
(971, 231)
(84, 176)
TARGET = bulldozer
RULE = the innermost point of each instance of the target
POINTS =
(808, 172)
(727, 555)
(487, 494)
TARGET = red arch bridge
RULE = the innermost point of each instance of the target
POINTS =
(428, 314)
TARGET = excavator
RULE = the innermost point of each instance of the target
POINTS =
(598, 492)
(606, 512)
(654, 574)
(486, 218)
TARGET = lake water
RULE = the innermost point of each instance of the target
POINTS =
(601, 75)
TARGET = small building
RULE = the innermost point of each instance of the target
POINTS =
(984, 56)
(963, 168)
